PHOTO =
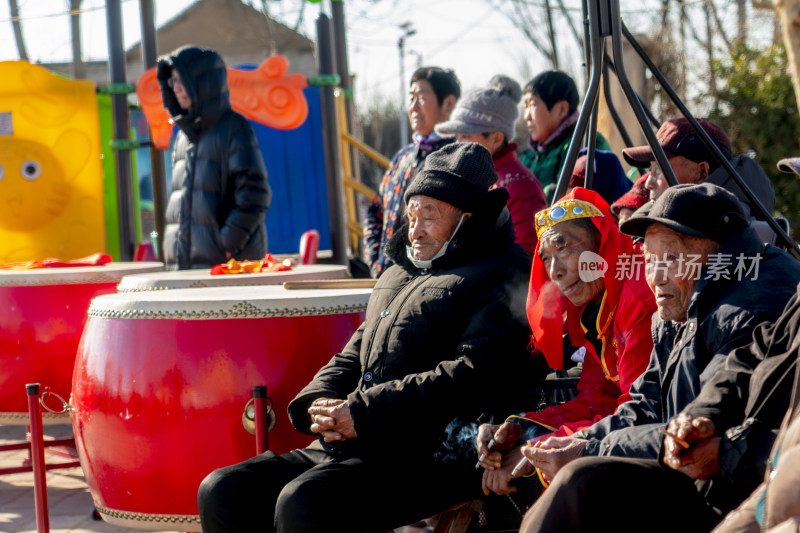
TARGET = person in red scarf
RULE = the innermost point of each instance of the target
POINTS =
(585, 280)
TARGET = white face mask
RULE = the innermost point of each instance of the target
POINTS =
(426, 263)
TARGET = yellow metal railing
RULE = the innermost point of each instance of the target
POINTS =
(351, 184)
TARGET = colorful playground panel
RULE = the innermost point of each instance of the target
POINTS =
(51, 180)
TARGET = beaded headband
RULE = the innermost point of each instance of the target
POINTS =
(563, 211)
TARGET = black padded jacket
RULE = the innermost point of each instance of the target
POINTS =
(439, 343)
(219, 193)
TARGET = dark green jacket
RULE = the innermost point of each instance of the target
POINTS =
(546, 165)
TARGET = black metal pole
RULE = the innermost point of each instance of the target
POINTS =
(587, 53)
(340, 44)
(589, 101)
(149, 56)
(588, 178)
(330, 142)
(630, 94)
(119, 112)
(723, 161)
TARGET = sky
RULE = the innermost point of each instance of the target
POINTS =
(472, 37)
(469, 36)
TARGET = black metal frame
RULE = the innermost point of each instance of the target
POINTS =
(604, 20)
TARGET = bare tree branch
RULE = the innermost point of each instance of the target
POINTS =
(300, 16)
(682, 29)
(273, 47)
(521, 22)
(578, 35)
(551, 33)
(712, 78)
(718, 23)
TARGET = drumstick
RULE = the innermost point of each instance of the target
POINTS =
(331, 284)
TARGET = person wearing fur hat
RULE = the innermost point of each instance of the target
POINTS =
(445, 336)
(487, 117)
(220, 193)
(607, 320)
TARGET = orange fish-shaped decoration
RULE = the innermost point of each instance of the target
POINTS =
(267, 95)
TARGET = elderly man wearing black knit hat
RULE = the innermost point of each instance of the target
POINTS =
(445, 336)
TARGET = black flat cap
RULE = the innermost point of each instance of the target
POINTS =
(703, 210)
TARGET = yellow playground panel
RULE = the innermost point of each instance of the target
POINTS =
(51, 178)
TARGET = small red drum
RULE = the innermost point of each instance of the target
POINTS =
(189, 279)
(162, 379)
(42, 316)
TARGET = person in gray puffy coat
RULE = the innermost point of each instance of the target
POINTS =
(220, 193)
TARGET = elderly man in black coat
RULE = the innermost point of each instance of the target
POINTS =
(445, 336)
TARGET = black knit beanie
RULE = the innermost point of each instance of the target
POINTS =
(459, 174)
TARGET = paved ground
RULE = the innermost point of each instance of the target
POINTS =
(69, 501)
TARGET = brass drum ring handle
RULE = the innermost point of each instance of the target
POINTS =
(249, 416)
(65, 407)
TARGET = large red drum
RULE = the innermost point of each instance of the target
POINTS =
(42, 316)
(162, 379)
(189, 279)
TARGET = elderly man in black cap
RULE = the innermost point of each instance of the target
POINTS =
(693, 162)
(714, 283)
(445, 336)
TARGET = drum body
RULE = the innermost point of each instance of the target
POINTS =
(190, 279)
(42, 316)
(162, 379)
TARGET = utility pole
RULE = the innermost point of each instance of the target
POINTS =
(119, 113)
(408, 31)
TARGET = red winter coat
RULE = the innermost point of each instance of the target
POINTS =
(623, 326)
(526, 195)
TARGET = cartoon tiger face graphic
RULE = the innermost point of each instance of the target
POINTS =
(34, 189)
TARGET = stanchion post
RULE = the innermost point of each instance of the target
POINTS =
(37, 456)
(262, 422)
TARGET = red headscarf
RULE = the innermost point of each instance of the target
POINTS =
(545, 303)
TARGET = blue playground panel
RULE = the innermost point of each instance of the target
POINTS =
(296, 173)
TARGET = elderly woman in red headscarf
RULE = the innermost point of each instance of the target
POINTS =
(586, 281)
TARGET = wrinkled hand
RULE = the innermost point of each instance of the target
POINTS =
(506, 436)
(497, 480)
(331, 419)
(701, 460)
(552, 454)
